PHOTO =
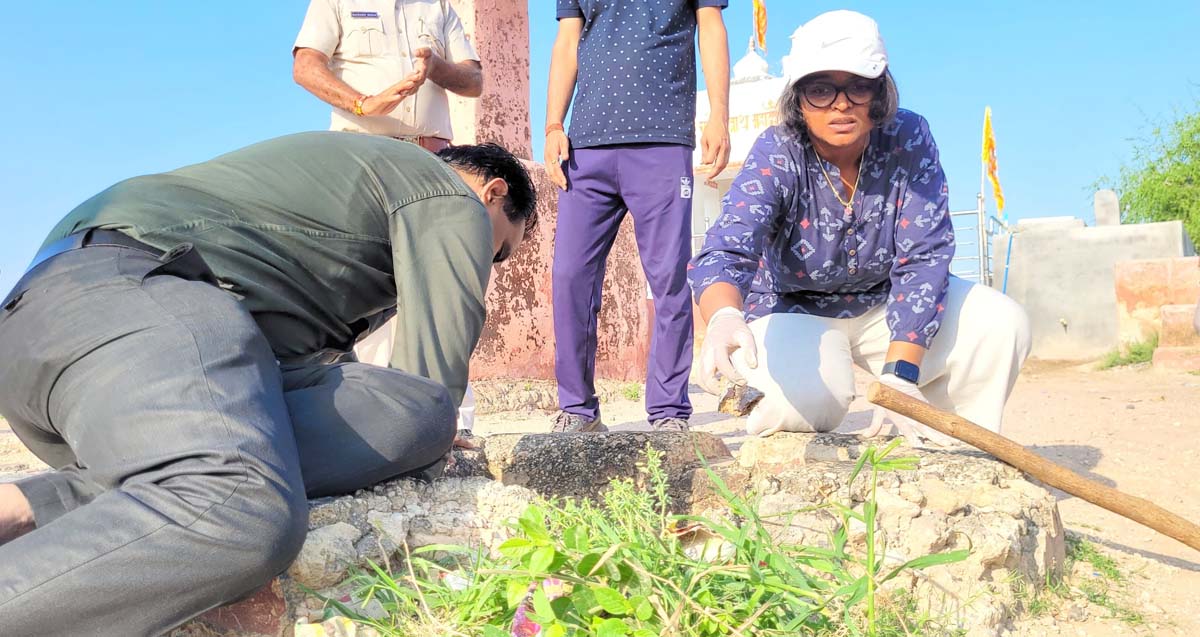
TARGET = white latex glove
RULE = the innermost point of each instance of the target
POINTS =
(915, 433)
(466, 411)
(726, 333)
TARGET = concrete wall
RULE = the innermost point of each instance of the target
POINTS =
(518, 337)
(1145, 287)
(1063, 275)
(1158, 296)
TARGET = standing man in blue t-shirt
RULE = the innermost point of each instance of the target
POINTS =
(632, 67)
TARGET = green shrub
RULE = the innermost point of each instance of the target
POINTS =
(1162, 180)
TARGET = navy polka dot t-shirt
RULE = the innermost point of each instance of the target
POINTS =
(637, 71)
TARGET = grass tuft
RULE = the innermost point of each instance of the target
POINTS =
(1139, 352)
(1037, 603)
(1081, 550)
(1107, 580)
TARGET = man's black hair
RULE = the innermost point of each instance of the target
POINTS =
(492, 161)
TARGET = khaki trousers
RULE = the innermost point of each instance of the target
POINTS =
(805, 363)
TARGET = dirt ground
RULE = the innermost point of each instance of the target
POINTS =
(1137, 430)
(1134, 428)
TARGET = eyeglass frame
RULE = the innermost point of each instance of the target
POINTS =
(839, 89)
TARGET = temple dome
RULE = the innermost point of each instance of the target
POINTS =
(752, 67)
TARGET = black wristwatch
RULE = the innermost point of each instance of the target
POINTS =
(903, 370)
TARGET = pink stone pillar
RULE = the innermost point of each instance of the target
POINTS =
(518, 338)
(500, 32)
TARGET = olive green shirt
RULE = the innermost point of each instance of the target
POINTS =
(322, 235)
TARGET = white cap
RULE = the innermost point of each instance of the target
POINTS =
(838, 41)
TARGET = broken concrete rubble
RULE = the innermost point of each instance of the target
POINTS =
(955, 499)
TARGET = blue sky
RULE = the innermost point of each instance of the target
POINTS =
(97, 92)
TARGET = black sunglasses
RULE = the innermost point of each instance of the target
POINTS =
(822, 93)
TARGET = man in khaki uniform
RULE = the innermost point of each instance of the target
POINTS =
(385, 66)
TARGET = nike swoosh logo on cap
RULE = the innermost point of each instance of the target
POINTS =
(829, 42)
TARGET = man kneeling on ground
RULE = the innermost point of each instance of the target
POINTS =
(177, 353)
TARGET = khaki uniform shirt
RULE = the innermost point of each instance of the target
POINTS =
(370, 44)
(323, 236)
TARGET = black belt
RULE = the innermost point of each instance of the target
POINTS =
(91, 237)
(182, 261)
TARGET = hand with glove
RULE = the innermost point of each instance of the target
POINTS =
(727, 332)
(915, 433)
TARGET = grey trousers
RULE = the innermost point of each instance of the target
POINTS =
(183, 451)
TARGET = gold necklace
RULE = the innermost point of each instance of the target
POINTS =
(848, 204)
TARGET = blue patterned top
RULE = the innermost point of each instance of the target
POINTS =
(784, 240)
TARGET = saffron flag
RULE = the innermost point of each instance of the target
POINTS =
(989, 159)
(760, 24)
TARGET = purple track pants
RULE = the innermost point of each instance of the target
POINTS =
(654, 182)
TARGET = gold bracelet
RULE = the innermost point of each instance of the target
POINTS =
(358, 105)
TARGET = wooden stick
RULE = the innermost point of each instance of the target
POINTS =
(1136, 509)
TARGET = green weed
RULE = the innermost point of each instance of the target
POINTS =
(627, 567)
(632, 391)
(1038, 602)
(901, 615)
(1107, 580)
(1098, 593)
(1081, 550)
(1139, 352)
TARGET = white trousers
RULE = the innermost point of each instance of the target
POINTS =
(805, 363)
(376, 349)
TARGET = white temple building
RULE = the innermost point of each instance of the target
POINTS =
(753, 106)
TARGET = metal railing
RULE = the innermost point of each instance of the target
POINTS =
(971, 260)
(974, 230)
